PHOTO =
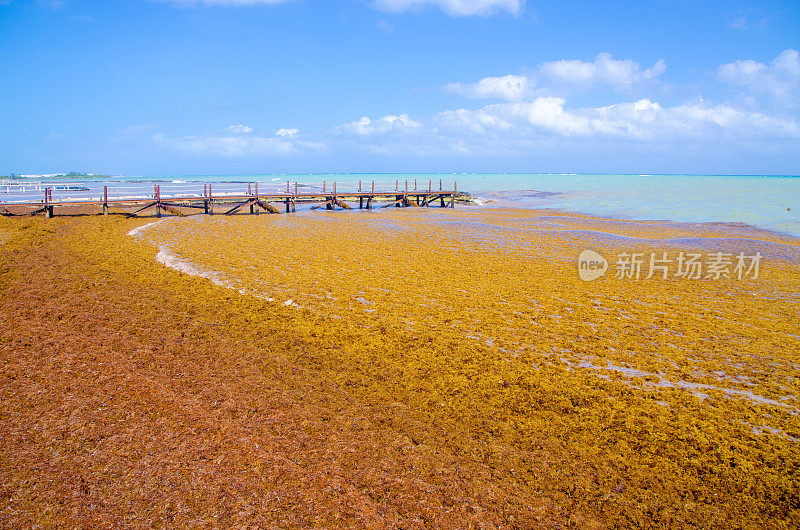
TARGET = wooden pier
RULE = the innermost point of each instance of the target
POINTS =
(327, 196)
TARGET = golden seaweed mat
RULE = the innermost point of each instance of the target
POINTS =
(505, 282)
(649, 401)
(502, 285)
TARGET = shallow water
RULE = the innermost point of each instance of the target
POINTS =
(769, 202)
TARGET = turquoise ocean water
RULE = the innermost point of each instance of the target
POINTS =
(769, 202)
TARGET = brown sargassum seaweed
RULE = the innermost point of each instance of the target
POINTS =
(395, 368)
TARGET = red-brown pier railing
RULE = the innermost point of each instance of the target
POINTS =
(330, 196)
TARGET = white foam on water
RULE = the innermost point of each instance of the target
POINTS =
(169, 259)
(663, 382)
(138, 230)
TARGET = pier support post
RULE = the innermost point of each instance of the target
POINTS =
(210, 202)
(360, 200)
(288, 205)
(369, 203)
(158, 200)
(48, 213)
(105, 200)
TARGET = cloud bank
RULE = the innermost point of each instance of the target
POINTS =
(530, 120)
(780, 79)
(238, 142)
(222, 3)
(460, 8)
(367, 127)
(239, 129)
(564, 77)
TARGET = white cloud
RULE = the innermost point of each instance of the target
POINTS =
(52, 4)
(239, 129)
(508, 87)
(223, 3)
(534, 117)
(547, 125)
(454, 7)
(236, 146)
(780, 79)
(638, 121)
(542, 126)
(367, 127)
(288, 133)
(562, 77)
(747, 19)
(604, 70)
(227, 146)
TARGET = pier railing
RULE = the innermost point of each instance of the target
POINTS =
(177, 196)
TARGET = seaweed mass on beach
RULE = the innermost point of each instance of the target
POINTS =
(400, 264)
(404, 367)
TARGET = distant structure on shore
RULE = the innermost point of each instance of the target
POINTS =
(70, 174)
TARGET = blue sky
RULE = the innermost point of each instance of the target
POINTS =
(171, 87)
